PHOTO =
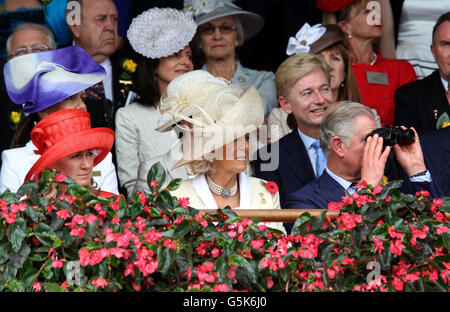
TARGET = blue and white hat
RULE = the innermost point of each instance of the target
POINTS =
(40, 80)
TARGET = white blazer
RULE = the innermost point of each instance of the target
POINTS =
(16, 163)
(253, 195)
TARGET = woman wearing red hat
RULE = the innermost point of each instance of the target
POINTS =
(66, 143)
(377, 77)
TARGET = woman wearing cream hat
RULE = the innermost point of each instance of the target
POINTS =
(161, 37)
(222, 28)
(216, 146)
(48, 82)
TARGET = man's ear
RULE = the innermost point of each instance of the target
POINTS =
(75, 29)
(284, 104)
(338, 146)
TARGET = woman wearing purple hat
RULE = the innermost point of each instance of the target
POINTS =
(43, 83)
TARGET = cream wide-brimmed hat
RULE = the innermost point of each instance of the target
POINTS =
(233, 113)
(208, 10)
(188, 92)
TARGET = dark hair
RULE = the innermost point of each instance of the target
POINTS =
(146, 84)
(22, 134)
(443, 18)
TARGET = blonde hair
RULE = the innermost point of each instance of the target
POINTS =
(295, 67)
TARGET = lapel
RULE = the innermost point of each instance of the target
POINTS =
(115, 59)
(296, 157)
(329, 189)
(435, 96)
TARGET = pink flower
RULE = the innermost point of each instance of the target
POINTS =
(257, 243)
(397, 247)
(393, 233)
(37, 286)
(348, 261)
(272, 187)
(60, 177)
(170, 244)
(100, 282)
(442, 229)
(115, 220)
(57, 264)
(377, 189)
(91, 218)
(397, 283)
(215, 252)
(153, 183)
(350, 220)
(232, 234)
(63, 214)
(387, 199)
(269, 282)
(378, 245)
(183, 202)
(220, 288)
(336, 207)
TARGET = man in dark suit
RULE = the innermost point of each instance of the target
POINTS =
(97, 33)
(304, 92)
(436, 152)
(353, 156)
(419, 104)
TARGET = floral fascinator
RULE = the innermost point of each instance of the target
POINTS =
(161, 32)
(314, 39)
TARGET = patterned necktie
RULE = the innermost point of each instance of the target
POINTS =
(447, 94)
(352, 188)
(321, 159)
(96, 92)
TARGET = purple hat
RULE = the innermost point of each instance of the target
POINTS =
(43, 79)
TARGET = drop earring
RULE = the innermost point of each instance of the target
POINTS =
(350, 36)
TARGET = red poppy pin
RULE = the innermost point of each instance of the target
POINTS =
(272, 187)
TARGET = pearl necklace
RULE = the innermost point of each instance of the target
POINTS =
(221, 191)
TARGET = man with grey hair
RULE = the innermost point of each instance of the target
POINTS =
(25, 38)
(354, 156)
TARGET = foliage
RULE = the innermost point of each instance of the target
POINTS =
(80, 242)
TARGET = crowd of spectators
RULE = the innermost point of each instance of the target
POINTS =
(294, 88)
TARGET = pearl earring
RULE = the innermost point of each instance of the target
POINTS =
(349, 35)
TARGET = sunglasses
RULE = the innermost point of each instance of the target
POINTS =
(25, 50)
(210, 29)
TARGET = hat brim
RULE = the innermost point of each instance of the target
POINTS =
(251, 22)
(96, 138)
(209, 144)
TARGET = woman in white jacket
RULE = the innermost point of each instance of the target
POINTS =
(164, 57)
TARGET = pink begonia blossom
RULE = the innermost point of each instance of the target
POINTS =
(37, 286)
(377, 189)
(57, 264)
(442, 229)
(257, 243)
(397, 247)
(100, 282)
(269, 282)
(63, 214)
(215, 252)
(397, 283)
(183, 202)
(336, 207)
(378, 245)
(60, 177)
(220, 288)
(393, 233)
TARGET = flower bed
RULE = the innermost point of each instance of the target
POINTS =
(381, 241)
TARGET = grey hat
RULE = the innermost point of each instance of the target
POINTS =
(205, 11)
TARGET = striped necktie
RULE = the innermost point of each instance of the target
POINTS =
(321, 159)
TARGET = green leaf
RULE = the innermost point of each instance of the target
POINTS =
(446, 240)
(44, 234)
(18, 258)
(29, 277)
(165, 259)
(389, 187)
(183, 228)
(4, 252)
(301, 220)
(77, 190)
(28, 187)
(53, 287)
(158, 174)
(16, 233)
(134, 210)
(174, 184)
